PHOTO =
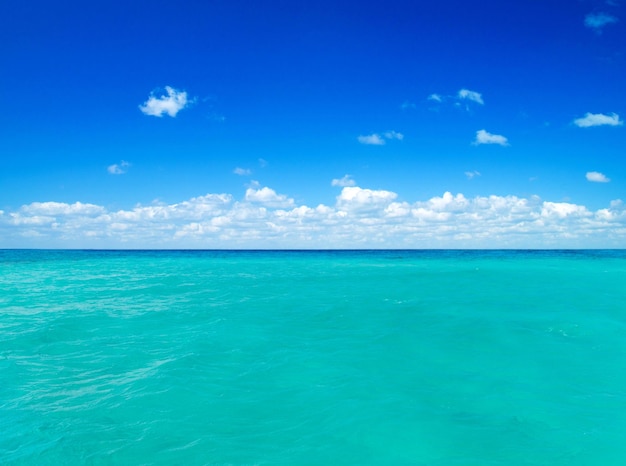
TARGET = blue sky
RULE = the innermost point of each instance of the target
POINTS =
(226, 124)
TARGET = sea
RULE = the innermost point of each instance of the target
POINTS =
(441, 357)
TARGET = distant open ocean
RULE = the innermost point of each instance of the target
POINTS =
(313, 357)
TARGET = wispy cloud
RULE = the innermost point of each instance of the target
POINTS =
(379, 140)
(598, 119)
(343, 182)
(394, 135)
(406, 105)
(216, 117)
(472, 174)
(170, 104)
(372, 140)
(118, 168)
(359, 217)
(484, 137)
(597, 21)
(466, 94)
(597, 177)
(462, 99)
(435, 97)
(242, 171)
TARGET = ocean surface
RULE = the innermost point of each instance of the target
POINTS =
(313, 357)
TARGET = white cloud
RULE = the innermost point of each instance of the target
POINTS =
(598, 119)
(597, 177)
(360, 217)
(171, 103)
(563, 209)
(242, 171)
(472, 174)
(435, 97)
(597, 21)
(353, 197)
(394, 135)
(460, 100)
(378, 140)
(343, 182)
(61, 208)
(118, 169)
(484, 137)
(372, 140)
(447, 203)
(268, 196)
(466, 94)
(406, 105)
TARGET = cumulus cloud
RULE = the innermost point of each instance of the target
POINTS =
(268, 196)
(118, 168)
(466, 94)
(359, 217)
(353, 197)
(242, 171)
(170, 104)
(435, 97)
(343, 182)
(597, 177)
(597, 21)
(564, 209)
(484, 137)
(378, 140)
(598, 119)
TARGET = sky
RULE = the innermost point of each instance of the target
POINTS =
(313, 124)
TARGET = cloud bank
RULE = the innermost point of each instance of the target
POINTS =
(359, 218)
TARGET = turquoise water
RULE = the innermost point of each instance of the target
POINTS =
(242, 358)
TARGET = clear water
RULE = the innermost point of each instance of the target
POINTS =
(373, 357)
